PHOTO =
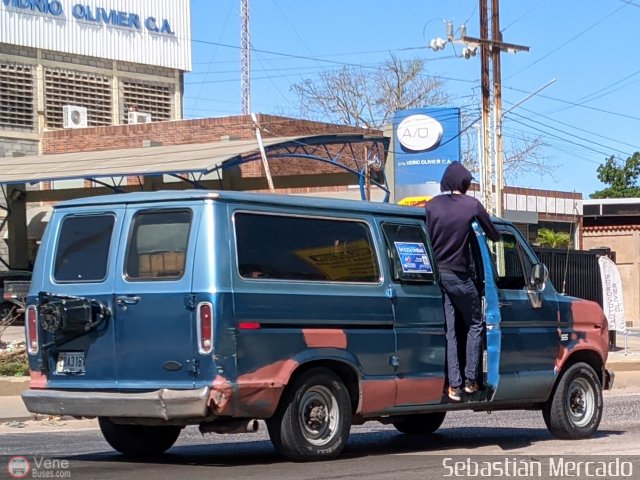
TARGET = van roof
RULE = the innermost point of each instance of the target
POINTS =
(244, 197)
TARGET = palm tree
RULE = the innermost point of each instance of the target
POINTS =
(550, 238)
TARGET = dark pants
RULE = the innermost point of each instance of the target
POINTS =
(461, 296)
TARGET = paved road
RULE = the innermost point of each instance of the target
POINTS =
(374, 451)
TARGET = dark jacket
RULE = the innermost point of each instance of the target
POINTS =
(449, 216)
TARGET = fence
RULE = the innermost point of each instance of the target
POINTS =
(582, 277)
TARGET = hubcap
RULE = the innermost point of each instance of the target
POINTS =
(580, 402)
(319, 415)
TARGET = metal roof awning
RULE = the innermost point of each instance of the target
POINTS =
(173, 159)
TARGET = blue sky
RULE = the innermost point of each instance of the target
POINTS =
(589, 113)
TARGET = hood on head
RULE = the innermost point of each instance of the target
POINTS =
(456, 177)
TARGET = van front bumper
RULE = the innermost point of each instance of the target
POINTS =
(163, 404)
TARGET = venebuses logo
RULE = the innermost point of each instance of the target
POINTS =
(419, 133)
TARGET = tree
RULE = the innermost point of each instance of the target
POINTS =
(622, 179)
(369, 97)
(550, 238)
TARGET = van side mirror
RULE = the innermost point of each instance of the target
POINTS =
(539, 277)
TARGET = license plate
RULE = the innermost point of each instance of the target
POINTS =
(70, 362)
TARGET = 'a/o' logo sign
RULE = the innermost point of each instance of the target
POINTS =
(419, 132)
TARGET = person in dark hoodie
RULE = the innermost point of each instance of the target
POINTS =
(449, 216)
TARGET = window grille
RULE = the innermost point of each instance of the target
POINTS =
(85, 89)
(156, 99)
(17, 96)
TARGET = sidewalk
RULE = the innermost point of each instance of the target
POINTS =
(12, 409)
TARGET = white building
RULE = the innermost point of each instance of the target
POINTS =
(110, 62)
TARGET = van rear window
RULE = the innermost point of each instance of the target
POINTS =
(305, 248)
(158, 245)
(83, 248)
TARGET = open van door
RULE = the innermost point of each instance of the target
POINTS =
(491, 313)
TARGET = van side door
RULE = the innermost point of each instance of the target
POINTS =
(529, 328)
(418, 314)
(155, 332)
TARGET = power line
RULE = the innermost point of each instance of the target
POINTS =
(570, 40)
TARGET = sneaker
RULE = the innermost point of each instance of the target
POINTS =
(455, 393)
(471, 386)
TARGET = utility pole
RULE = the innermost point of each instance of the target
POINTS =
(493, 46)
(486, 104)
(245, 52)
(496, 36)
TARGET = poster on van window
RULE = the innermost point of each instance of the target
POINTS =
(342, 261)
(612, 301)
(413, 257)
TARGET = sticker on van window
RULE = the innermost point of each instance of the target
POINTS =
(413, 257)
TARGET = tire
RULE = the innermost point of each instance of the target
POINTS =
(6, 308)
(575, 407)
(139, 440)
(294, 431)
(423, 424)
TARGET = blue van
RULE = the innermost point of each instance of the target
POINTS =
(157, 310)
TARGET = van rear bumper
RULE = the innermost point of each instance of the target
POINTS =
(165, 404)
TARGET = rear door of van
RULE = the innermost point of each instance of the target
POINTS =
(78, 260)
(154, 310)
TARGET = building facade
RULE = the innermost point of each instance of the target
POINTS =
(70, 65)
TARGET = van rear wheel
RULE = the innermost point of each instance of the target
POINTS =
(313, 419)
(423, 424)
(139, 440)
(575, 408)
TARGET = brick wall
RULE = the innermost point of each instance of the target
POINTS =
(183, 132)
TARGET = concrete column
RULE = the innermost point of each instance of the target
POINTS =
(152, 183)
(115, 95)
(17, 226)
(177, 96)
(40, 103)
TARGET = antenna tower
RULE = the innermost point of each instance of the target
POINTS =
(245, 73)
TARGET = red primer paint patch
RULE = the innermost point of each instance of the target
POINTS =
(412, 391)
(37, 379)
(325, 337)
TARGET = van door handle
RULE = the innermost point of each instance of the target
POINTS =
(125, 300)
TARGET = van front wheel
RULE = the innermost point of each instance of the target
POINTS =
(313, 419)
(575, 408)
(139, 440)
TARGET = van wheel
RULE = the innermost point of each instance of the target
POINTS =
(575, 408)
(139, 440)
(6, 309)
(423, 424)
(313, 419)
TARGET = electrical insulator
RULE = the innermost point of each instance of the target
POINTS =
(437, 43)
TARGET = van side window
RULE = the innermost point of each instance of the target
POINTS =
(305, 248)
(513, 266)
(408, 254)
(158, 244)
(83, 248)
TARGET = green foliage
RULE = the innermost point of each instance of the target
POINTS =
(14, 364)
(550, 238)
(622, 179)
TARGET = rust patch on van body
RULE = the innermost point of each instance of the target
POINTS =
(325, 337)
(37, 379)
(415, 391)
(377, 396)
(255, 394)
(589, 331)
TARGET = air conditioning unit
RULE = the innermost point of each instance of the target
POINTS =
(139, 117)
(74, 116)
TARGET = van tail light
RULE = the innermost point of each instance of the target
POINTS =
(32, 329)
(205, 327)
